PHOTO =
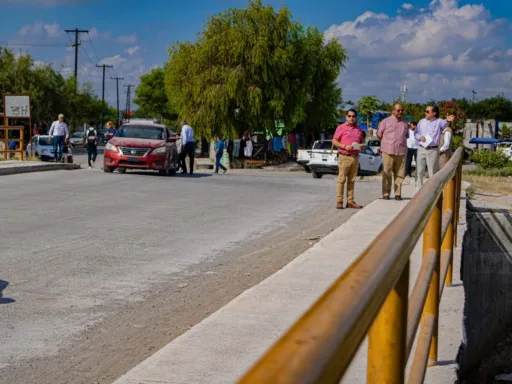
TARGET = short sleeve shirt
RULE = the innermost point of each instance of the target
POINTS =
(348, 135)
(394, 133)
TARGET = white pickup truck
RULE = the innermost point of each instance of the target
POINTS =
(304, 155)
(323, 162)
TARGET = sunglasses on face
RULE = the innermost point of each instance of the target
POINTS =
(399, 110)
(427, 111)
(351, 116)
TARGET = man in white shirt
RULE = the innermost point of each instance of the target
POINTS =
(189, 146)
(445, 143)
(59, 133)
(412, 149)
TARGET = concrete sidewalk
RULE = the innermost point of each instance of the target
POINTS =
(11, 167)
(224, 345)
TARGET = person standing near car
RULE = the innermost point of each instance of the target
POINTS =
(393, 132)
(91, 143)
(58, 134)
(345, 136)
(412, 149)
(189, 146)
(428, 133)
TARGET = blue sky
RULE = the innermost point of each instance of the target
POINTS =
(442, 48)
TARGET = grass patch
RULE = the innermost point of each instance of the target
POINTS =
(492, 172)
(484, 183)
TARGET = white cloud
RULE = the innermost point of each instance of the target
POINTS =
(128, 39)
(444, 51)
(133, 50)
(40, 29)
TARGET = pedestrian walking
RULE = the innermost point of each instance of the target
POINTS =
(428, 133)
(189, 146)
(393, 132)
(91, 142)
(348, 139)
(445, 146)
(412, 150)
(219, 152)
(58, 134)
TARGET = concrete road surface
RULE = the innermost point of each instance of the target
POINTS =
(104, 269)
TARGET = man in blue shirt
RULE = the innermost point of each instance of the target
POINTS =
(219, 152)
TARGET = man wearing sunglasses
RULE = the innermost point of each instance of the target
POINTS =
(393, 133)
(346, 135)
(428, 133)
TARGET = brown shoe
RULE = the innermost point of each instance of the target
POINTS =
(398, 197)
(339, 205)
(354, 205)
(385, 197)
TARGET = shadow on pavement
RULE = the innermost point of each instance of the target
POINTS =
(4, 300)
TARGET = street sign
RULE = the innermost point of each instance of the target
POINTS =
(17, 106)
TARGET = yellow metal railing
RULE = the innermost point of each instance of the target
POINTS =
(372, 298)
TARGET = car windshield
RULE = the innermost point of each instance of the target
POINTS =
(141, 132)
(373, 143)
(322, 145)
(44, 141)
(77, 135)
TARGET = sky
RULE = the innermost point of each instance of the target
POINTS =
(439, 48)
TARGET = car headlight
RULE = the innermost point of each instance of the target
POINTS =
(111, 147)
(159, 150)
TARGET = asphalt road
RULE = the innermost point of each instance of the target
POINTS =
(80, 249)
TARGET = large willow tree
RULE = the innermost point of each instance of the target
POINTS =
(250, 67)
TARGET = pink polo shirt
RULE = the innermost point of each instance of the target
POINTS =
(394, 135)
(347, 135)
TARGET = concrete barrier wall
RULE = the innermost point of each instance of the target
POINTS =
(486, 271)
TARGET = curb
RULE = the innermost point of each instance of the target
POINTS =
(37, 168)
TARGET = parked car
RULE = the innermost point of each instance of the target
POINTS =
(142, 146)
(373, 144)
(304, 155)
(323, 162)
(42, 148)
(76, 139)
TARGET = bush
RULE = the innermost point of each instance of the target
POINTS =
(490, 160)
(457, 141)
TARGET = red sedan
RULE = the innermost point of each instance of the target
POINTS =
(143, 147)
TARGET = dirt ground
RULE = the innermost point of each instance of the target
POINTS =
(494, 191)
(110, 348)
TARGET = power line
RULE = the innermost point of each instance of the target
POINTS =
(76, 31)
(103, 88)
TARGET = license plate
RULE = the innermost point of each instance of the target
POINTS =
(325, 156)
(133, 159)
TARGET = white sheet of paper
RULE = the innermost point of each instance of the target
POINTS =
(356, 146)
(426, 143)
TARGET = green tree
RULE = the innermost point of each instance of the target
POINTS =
(249, 68)
(152, 99)
(505, 132)
(368, 105)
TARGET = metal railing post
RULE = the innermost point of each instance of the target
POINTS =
(458, 186)
(449, 199)
(432, 240)
(387, 355)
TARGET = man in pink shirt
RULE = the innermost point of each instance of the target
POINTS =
(393, 133)
(345, 136)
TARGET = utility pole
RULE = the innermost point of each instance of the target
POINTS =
(404, 90)
(103, 88)
(128, 99)
(77, 32)
(117, 87)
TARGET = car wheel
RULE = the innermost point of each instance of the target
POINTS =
(316, 175)
(306, 168)
(108, 169)
(121, 170)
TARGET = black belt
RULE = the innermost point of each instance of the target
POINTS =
(351, 155)
(432, 147)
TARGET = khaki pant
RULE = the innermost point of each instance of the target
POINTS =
(443, 159)
(347, 169)
(392, 165)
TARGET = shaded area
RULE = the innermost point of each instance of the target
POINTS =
(4, 300)
(486, 271)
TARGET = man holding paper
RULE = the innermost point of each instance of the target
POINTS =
(393, 133)
(348, 138)
(428, 133)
